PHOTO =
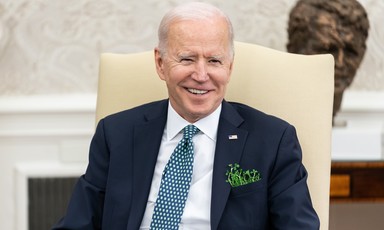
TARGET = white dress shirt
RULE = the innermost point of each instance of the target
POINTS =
(197, 209)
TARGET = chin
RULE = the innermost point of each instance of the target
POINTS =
(201, 113)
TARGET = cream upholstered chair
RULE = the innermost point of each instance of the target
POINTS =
(297, 88)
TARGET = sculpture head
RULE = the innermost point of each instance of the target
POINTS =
(338, 27)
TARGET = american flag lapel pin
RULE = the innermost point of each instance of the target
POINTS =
(232, 137)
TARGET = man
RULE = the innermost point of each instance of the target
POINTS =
(247, 169)
(338, 27)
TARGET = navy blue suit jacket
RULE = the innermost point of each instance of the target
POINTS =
(113, 193)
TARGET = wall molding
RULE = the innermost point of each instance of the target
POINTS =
(362, 105)
(47, 115)
(361, 135)
(45, 135)
(25, 171)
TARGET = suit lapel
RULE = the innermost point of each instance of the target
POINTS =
(147, 140)
(229, 148)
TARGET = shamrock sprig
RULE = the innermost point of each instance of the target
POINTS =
(237, 177)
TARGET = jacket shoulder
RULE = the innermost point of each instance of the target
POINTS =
(139, 113)
(258, 118)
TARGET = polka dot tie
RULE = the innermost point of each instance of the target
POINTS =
(175, 184)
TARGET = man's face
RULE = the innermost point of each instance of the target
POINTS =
(342, 43)
(196, 66)
(315, 29)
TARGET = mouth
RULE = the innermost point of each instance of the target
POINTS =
(197, 91)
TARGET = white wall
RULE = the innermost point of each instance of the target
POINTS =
(40, 136)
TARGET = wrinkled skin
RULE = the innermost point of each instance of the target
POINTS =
(196, 67)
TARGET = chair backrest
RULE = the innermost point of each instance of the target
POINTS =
(297, 88)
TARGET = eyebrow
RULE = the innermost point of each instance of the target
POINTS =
(186, 55)
(219, 57)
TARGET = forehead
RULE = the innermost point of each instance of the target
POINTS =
(209, 34)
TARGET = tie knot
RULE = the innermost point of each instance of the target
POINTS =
(190, 131)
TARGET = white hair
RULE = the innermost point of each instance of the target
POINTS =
(191, 11)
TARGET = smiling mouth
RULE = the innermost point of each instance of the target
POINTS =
(197, 91)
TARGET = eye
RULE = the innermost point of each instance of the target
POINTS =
(351, 50)
(333, 50)
(185, 60)
(215, 61)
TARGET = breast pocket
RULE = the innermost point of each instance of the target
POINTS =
(248, 189)
(246, 208)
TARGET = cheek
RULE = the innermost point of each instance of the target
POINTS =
(353, 60)
(223, 77)
(171, 77)
(224, 82)
(179, 73)
(220, 73)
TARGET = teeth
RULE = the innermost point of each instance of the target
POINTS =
(196, 91)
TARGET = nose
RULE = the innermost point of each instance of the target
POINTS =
(339, 58)
(201, 71)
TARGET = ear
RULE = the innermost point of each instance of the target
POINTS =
(230, 70)
(159, 64)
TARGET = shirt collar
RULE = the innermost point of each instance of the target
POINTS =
(208, 125)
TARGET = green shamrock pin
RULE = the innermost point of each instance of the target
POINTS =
(237, 177)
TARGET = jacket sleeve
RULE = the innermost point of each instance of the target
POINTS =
(85, 208)
(289, 199)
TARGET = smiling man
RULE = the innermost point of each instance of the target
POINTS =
(193, 161)
(195, 60)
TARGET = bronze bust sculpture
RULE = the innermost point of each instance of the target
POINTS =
(339, 27)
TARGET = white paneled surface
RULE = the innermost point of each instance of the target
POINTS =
(361, 135)
(40, 135)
